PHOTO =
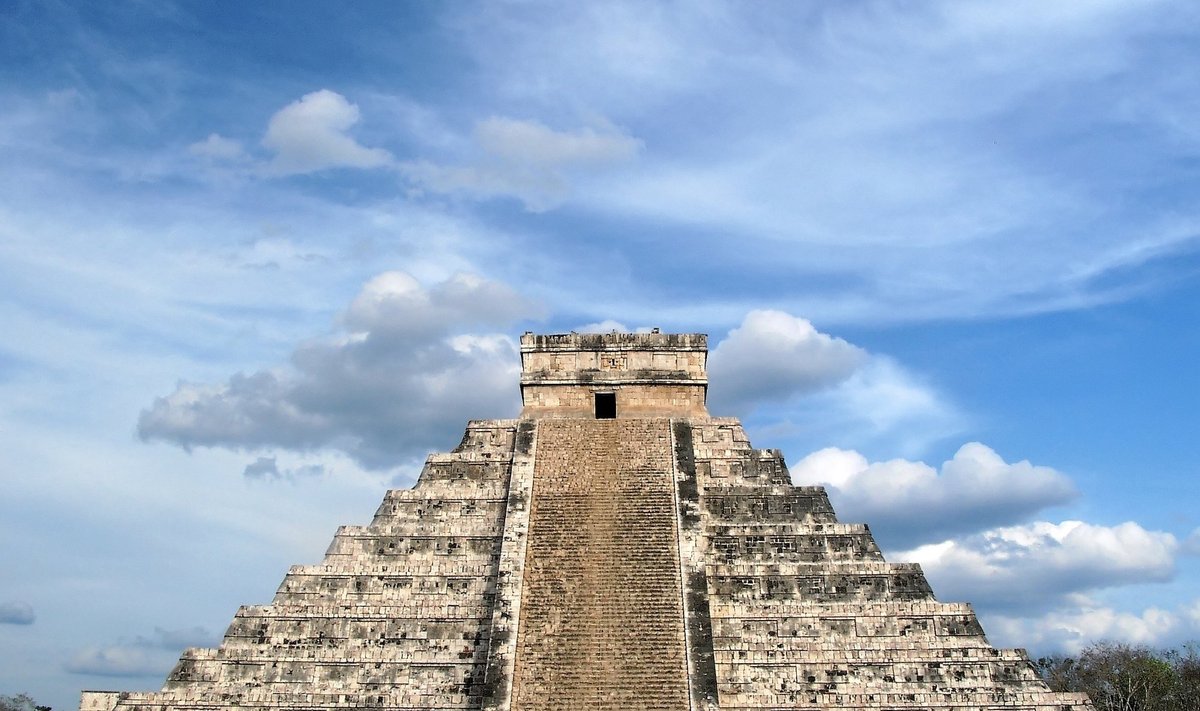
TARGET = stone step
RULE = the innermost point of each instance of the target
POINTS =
(602, 615)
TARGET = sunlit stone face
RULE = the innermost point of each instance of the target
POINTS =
(621, 375)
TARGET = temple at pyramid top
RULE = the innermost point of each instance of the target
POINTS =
(614, 375)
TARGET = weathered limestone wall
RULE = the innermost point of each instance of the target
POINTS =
(398, 615)
(602, 613)
(683, 355)
(510, 574)
(652, 374)
(633, 401)
(805, 612)
(99, 700)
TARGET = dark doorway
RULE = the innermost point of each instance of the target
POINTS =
(606, 406)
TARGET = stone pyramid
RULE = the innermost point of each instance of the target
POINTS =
(613, 548)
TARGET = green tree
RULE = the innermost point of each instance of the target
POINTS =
(1060, 672)
(1187, 678)
(1122, 677)
(20, 702)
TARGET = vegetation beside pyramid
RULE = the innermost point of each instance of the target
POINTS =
(613, 548)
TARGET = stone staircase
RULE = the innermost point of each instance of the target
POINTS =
(602, 613)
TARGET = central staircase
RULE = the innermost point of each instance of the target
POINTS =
(602, 608)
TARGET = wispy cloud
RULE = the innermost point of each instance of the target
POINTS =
(268, 468)
(504, 157)
(1191, 545)
(218, 147)
(909, 147)
(154, 654)
(16, 613)
(527, 160)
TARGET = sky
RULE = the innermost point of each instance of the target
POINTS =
(258, 259)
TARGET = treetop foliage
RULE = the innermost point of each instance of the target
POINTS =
(1124, 677)
(20, 702)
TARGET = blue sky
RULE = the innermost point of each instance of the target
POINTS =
(258, 259)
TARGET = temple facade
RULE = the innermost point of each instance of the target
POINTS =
(615, 547)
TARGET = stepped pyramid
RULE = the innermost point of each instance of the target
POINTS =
(613, 548)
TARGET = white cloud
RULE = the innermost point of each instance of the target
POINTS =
(887, 394)
(1040, 565)
(141, 656)
(907, 502)
(529, 142)
(1071, 629)
(118, 661)
(405, 373)
(309, 135)
(396, 304)
(779, 371)
(606, 326)
(16, 613)
(268, 468)
(218, 147)
(527, 160)
(1191, 545)
(773, 355)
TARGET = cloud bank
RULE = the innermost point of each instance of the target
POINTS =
(909, 502)
(786, 377)
(967, 524)
(1070, 629)
(407, 367)
(1040, 565)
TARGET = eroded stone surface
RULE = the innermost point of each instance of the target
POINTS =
(805, 612)
(399, 614)
(602, 615)
(651, 374)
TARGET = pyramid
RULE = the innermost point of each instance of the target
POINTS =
(614, 547)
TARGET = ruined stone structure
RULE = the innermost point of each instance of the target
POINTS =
(615, 547)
